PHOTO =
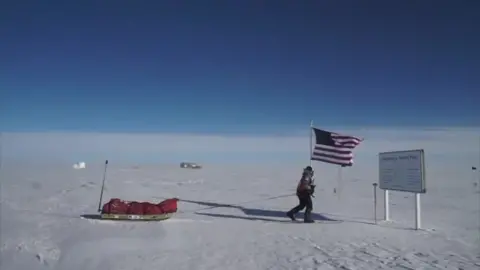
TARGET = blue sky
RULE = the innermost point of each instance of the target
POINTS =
(222, 81)
(237, 67)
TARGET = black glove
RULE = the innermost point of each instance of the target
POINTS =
(312, 189)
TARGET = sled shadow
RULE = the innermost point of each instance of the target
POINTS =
(91, 216)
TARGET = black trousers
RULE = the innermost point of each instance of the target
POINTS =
(305, 201)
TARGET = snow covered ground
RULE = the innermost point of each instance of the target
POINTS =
(231, 217)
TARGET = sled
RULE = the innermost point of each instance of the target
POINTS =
(136, 217)
(117, 209)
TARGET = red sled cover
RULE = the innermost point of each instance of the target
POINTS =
(115, 206)
(135, 208)
(121, 207)
(169, 205)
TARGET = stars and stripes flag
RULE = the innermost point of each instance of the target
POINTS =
(334, 148)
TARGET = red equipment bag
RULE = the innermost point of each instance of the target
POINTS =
(119, 207)
(135, 208)
(152, 209)
(115, 206)
(169, 205)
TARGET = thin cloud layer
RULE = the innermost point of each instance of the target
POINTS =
(443, 143)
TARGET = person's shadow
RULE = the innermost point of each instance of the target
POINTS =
(255, 214)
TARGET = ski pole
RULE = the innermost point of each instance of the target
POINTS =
(103, 185)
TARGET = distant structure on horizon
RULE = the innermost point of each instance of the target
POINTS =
(190, 165)
(80, 165)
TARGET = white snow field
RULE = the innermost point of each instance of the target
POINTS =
(231, 217)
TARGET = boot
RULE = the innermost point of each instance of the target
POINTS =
(308, 217)
(291, 215)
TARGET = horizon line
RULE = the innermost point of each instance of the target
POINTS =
(295, 131)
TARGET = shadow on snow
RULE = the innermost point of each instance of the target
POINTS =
(255, 214)
(275, 215)
(91, 216)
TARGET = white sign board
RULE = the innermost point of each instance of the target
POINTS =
(402, 171)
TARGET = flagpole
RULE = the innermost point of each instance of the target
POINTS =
(478, 172)
(311, 127)
(340, 181)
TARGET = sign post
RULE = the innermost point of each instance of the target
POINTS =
(403, 171)
(387, 205)
(418, 219)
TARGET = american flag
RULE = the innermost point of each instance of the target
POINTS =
(334, 148)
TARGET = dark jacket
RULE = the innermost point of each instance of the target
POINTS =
(305, 185)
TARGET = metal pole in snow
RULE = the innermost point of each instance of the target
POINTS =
(103, 185)
(375, 202)
(340, 180)
(474, 177)
(387, 205)
(418, 222)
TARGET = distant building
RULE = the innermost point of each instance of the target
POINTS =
(80, 165)
(190, 165)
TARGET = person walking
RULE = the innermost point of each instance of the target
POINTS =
(305, 190)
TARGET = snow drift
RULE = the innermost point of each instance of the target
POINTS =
(232, 217)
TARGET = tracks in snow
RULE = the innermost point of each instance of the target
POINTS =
(349, 256)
